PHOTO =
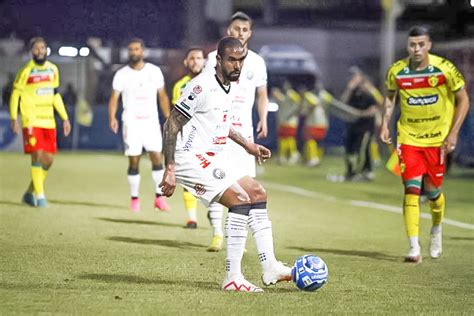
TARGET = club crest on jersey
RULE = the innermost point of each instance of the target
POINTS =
(433, 81)
(249, 75)
(200, 189)
(219, 174)
(197, 89)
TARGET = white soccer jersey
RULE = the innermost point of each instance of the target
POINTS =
(253, 75)
(207, 103)
(139, 90)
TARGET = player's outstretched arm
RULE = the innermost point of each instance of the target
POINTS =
(173, 125)
(462, 107)
(260, 152)
(389, 107)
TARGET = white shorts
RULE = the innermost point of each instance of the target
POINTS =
(238, 156)
(205, 176)
(141, 133)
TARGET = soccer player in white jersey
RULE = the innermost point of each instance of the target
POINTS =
(138, 83)
(195, 137)
(252, 82)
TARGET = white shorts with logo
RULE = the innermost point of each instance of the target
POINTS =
(141, 133)
(238, 156)
(205, 175)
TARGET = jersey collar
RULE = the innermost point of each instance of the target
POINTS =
(226, 90)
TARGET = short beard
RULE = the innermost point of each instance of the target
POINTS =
(39, 61)
(133, 62)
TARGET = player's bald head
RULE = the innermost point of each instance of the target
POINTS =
(229, 44)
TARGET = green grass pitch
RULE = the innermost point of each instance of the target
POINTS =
(87, 254)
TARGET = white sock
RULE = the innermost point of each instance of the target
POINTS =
(215, 212)
(436, 229)
(157, 176)
(134, 183)
(414, 242)
(261, 228)
(236, 234)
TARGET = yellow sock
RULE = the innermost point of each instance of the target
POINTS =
(37, 179)
(292, 148)
(312, 149)
(411, 213)
(283, 147)
(437, 209)
(45, 174)
(190, 204)
(375, 152)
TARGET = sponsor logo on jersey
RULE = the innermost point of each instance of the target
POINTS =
(184, 105)
(192, 96)
(218, 173)
(219, 140)
(203, 161)
(428, 100)
(200, 189)
(423, 119)
(429, 135)
(37, 78)
(189, 141)
(45, 91)
(197, 89)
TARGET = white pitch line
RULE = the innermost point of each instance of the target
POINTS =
(373, 205)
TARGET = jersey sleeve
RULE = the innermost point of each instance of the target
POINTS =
(117, 83)
(56, 77)
(18, 86)
(390, 80)
(454, 77)
(192, 99)
(159, 79)
(261, 76)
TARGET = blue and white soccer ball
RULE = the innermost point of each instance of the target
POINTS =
(309, 273)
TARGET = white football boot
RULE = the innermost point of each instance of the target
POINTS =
(238, 283)
(414, 255)
(436, 247)
(277, 273)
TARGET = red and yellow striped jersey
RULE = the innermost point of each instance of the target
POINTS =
(34, 92)
(427, 100)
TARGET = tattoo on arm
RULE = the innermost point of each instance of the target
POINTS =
(389, 105)
(173, 126)
(237, 137)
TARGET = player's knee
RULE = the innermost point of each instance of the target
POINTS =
(157, 167)
(131, 171)
(257, 192)
(413, 186)
(433, 194)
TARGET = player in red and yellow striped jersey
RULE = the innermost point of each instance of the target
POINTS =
(434, 104)
(35, 94)
(194, 63)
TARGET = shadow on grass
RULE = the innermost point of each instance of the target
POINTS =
(11, 203)
(138, 222)
(352, 253)
(132, 279)
(85, 203)
(460, 238)
(158, 242)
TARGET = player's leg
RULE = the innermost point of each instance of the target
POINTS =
(254, 213)
(311, 147)
(350, 156)
(215, 213)
(190, 205)
(46, 160)
(157, 174)
(133, 177)
(413, 168)
(364, 159)
(432, 186)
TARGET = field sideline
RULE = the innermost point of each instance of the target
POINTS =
(87, 254)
